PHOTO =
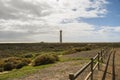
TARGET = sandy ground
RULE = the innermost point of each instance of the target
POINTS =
(61, 70)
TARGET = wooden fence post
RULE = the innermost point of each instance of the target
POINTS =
(98, 61)
(91, 68)
(102, 55)
(107, 53)
(71, 76)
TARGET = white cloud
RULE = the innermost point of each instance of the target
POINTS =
(54, 9)
(25, 26)
(109, 29)
(77, 29)
(71, 9)
(83, 32)
(41, 20)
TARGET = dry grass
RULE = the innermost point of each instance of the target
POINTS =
(58, 71)
(61, 70)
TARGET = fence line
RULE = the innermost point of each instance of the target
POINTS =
(99, 57)
(104, 75)
(113, 68)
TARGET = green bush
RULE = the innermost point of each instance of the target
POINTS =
(8, 66)
(17, 60)
(36, 54)
(82, 49)
(1, 63)
(70, 51)
(45, 59)
(56, 57)
(14, 63)
(78, 49)
(20, 65)
(74, 50)
(1, 66)
(26, 60)
(28, 55)
(1, 69)
(85, 48)
(13, 60)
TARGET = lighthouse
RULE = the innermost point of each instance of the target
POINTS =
(60, 36)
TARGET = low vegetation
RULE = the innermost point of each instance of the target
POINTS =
(18, 49)
(28, 55)
(17, 73)
(74, 50)
(7, 64)
(45, 59)
(16, 57)
(10, 63)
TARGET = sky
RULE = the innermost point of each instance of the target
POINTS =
(41, 20)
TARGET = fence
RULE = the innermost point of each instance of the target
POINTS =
(93, 63)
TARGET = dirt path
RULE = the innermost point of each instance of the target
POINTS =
(113, 68)
(58, 71)
(117, 64)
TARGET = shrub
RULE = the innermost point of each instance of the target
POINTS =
(27, 60)
(14, 63)
(85, 48)
(77, 49)
(14, 60)
(20, 65)
(24, 62)
(1, 69)
(1, 66)
(1, 63)
(56, 57)
(74, 50)
(17, 60)
(8, 66)
(82, 49)
(45, 59)
(70, 51)
(37, 54)
(28, 55)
